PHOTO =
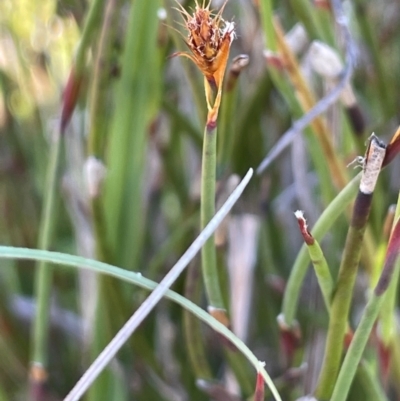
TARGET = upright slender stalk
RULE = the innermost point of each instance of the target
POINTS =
(318, 260)
(368, 319)
(324, 223)
(91, 25)
(192, 327)
(387, 333)
(208, 252)
(228, 106)
(127, 138)
(38, 371)
(370, 382)
(202, 27)
(99, 117)
(308, 15)
(267, 17)
(325, 281)
(348, 269)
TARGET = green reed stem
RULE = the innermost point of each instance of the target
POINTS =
(370, 382)
(139, 85)
(395, 365)
(325, 281)
(208, 252)
(388, 313)
(388, 321)
(309, 16)
(227, 126)
(100, 116)
(357, 346)
(92, 22)
(342, 299)
(239, 368)
(318, 260)
(324, 223)
(99, 106)
(44, 274)
(192, 327)
(322, 272)
(267, 17)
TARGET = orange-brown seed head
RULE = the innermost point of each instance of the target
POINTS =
(209, 40)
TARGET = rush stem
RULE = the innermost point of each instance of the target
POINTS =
(342, 298)
(208, 252)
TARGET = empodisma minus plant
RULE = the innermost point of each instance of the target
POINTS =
(209, 39)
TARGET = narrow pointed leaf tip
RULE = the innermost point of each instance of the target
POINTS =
(308, 238)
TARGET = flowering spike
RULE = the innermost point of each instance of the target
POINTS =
(209, 44)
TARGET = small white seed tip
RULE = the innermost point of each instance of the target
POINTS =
(299, 214)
